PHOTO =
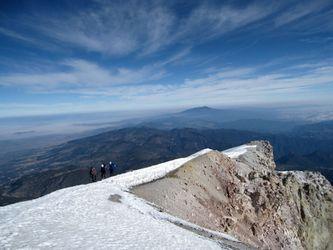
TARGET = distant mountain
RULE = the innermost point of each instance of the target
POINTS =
(200, 110)
(206, 117)
(67, 164)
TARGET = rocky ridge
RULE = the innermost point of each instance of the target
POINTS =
(247, 198)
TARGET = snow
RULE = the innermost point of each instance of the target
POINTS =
(152, 173)
(237, 151)
(85, 216)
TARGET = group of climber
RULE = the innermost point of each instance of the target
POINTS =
(93, 171)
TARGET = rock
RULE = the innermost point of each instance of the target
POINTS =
(247, 198)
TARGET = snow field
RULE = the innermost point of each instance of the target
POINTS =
(84, 217)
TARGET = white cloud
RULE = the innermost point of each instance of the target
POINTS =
(226, 87)
(15, 35)
(120, 29)
(300, 10)
(142, 28)
(236, 86)
(81, 74)
(88, 79)
(133, 27)
(111, 28)
(207, 21)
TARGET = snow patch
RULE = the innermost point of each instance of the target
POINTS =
(237, 151)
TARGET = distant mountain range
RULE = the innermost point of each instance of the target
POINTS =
(242, 119)
(40, 171)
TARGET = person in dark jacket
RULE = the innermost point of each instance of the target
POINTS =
(111, 167)
(93, 174)
(103, 171)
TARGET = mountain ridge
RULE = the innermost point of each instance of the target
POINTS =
(67, 164)
(248, 199)
(236, 180)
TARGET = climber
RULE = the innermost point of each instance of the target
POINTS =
(111, 167)
(93, 174)
(103, 171)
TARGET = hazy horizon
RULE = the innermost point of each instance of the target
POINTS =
(73, 123)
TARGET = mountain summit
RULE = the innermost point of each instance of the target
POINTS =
(198, 110)
(210, 200)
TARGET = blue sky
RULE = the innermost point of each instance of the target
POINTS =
(83, 56)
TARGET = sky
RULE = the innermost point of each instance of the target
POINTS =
(88, 56)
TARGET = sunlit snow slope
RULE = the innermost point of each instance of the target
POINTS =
(101, 215)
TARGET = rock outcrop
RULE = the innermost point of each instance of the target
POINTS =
(247, 198)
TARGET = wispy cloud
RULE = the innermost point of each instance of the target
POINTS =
(123, 28)
(16, 35)
(154, 53)
(134, 27)
(80, 74)
(209, 21)
(110, 27)
(88, 79)
(301, 10)
(228, 86)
